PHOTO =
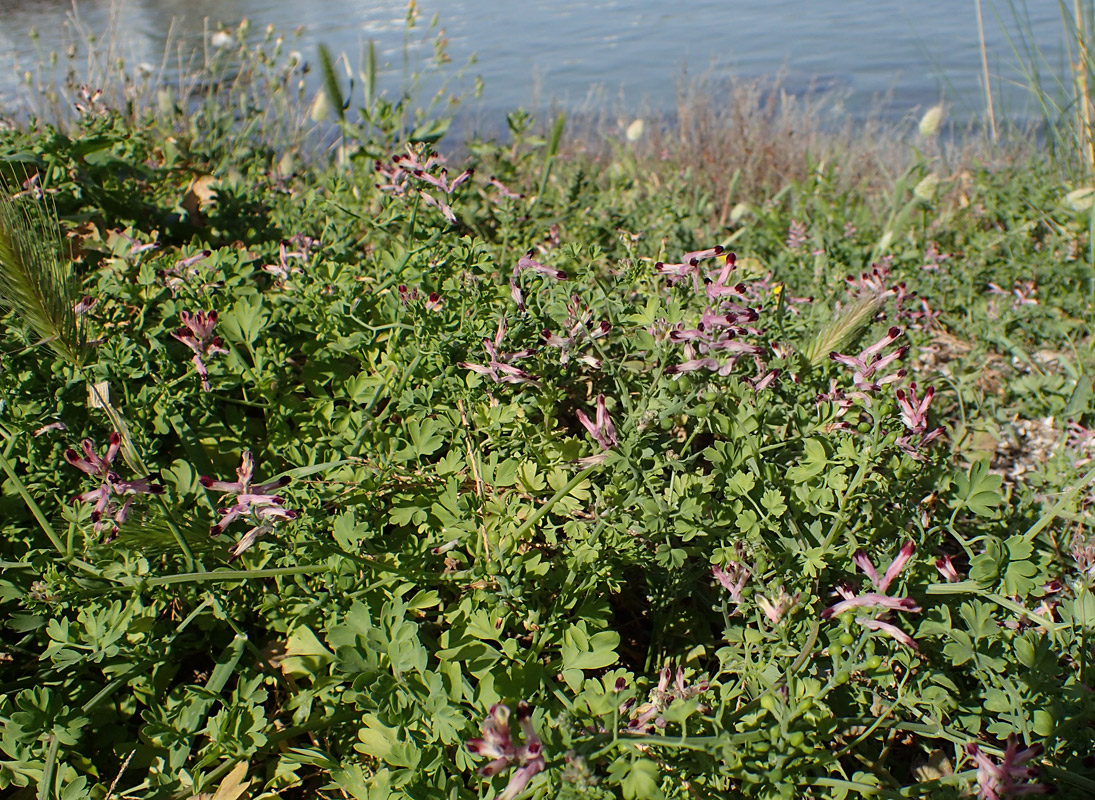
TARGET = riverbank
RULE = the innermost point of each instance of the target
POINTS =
(737, 458)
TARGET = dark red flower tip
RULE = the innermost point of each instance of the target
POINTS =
(718, 250)
(731, 258)
(560, 275)
(205, 481)
(115, 438)
(894, 332)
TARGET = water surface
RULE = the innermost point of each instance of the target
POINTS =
(903, 54)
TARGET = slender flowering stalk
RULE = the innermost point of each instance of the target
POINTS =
(497, 744)
(255, 503)
(106, 509)
(197, 334)
(603, 431)
(1010, 777)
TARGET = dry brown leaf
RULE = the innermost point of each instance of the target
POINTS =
(233, 787)
(201, 194)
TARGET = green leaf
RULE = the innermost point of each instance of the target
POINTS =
(1083, 609)
(246, 320)
(978, 490)
(642, 781)
(348, 532)
(581, 651)
(773, 503)
(813, 463)
(430, 132)
(305, 655)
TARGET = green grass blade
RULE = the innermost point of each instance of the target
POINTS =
(35, 509)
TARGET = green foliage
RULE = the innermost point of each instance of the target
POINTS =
(444, 516)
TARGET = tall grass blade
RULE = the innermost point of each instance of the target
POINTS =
(552, 151)
(1083, 85)
(330, 83)
(368, 77)
(37, 279)
(985, 72)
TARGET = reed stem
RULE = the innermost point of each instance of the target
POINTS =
(985, 72)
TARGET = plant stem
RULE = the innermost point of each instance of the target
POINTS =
(985, 71)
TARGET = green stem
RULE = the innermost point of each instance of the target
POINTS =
(539, 513)
(235, 575)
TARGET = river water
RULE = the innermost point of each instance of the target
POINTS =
(898, 55)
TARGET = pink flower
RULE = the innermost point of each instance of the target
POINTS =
(405, 166)
(796, 235)
(497, 744)
(198, 336)
(671, 687)
(878, 599)
(914, 413)
(109, 482)
(603, 431)
(526, 262)
(689, 266)
(945, 567)
(254, 503)
(1009, 778)
(504, 190)
(779, 605)
(888, 628)
(580, 328)
(498, 368)
(732, 578)
(870, 361)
